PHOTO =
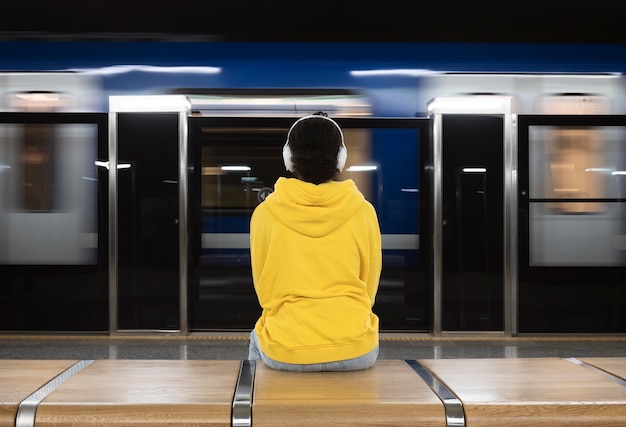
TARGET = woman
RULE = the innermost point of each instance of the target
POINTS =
(316, 260)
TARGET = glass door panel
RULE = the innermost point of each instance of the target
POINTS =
(148, 230)
(572, 224)
(236, 163)
(472, 232)
(53, 222)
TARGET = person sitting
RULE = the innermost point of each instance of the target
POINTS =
(315, 248)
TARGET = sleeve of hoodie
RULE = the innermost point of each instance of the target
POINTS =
(373, 268)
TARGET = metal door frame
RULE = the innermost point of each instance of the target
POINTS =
(149, 104)
(485, 105)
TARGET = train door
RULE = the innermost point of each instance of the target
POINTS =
(234, 163)
(471, 145)
(53, 218)
(572, 251)
(148, 143)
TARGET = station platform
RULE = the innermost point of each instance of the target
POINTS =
(234, 346)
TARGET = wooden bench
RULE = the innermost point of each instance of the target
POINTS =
(20, 378)
(388, 394)
(429, 392)
(532, 392)
(144, 392)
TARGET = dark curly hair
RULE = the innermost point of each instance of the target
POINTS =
(314, 146)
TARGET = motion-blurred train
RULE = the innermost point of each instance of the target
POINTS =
(129, 171)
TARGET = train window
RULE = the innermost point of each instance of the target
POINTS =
(576, 182)
(48, 193)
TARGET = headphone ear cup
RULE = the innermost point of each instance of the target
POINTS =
(287, 157)
(342, 156)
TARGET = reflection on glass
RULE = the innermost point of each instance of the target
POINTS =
(241, 178)
(226, 186)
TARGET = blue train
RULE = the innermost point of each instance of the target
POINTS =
(497, 221)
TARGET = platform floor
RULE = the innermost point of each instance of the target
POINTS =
(234, 346)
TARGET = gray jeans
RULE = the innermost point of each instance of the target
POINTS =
(356, 364)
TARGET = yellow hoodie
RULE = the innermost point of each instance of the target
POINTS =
(316, 263)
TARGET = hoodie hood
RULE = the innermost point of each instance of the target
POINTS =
(314, 210)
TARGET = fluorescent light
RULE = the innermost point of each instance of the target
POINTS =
(474, 170)
(362, 168)
(149, 103)
(408, 72)
(235, 168)
(121, 69)
(475, 104)
(106, 165)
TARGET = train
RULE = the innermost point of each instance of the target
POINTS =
(496, 221)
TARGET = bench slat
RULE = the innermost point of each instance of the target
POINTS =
(388, 394)
(20, 379)
(531, 392)
(146, 392)
(612, 365)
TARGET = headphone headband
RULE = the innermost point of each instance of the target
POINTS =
(341, 155)
(313, 116)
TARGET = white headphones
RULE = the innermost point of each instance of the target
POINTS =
(342, 155)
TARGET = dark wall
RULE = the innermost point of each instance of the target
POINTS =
(529, 21)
